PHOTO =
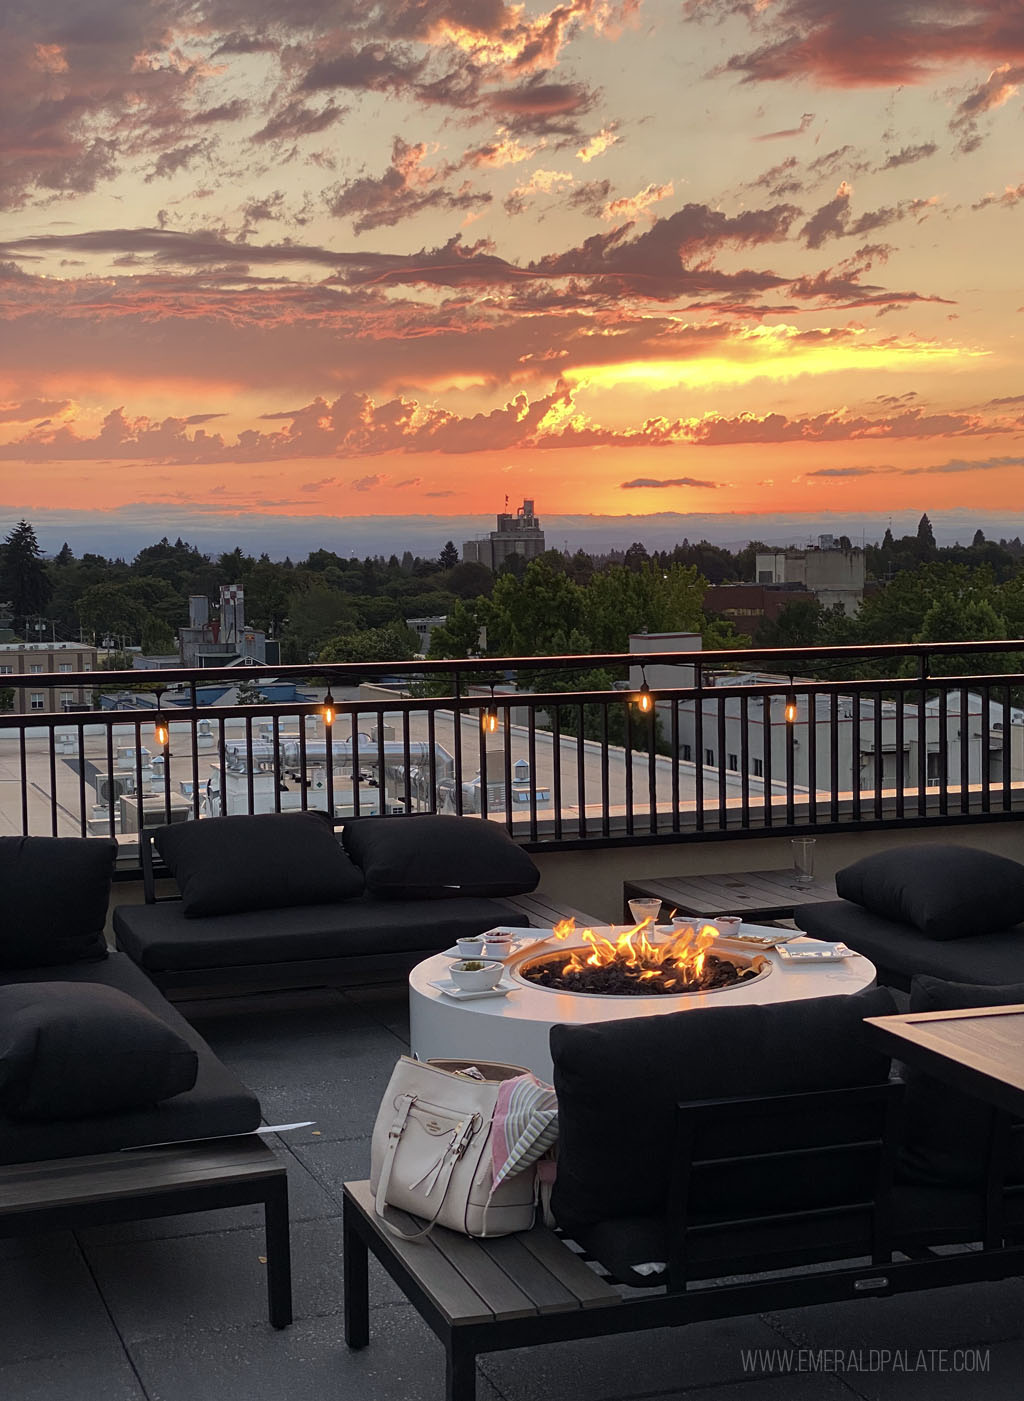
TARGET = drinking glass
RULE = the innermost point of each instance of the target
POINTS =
(645, 909)
(803, 859)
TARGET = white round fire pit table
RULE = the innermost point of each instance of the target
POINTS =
(515, 1028)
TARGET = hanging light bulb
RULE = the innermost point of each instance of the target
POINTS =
(489, 722)
(161, 729)
(790, 711)
(327, 711)
(643, 699)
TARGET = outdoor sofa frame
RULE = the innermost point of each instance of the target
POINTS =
(518, 1291)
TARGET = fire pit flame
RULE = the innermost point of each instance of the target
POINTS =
(633, 962)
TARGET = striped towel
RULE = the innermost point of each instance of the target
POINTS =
(525, 1125)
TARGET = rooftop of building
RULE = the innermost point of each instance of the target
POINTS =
(174, 1309)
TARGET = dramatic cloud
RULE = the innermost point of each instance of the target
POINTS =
(875, 43)
(406, 188)
(642, 482)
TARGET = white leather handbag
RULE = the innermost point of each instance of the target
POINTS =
(431, 1153)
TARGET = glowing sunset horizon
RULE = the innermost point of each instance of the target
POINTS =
(625, 257)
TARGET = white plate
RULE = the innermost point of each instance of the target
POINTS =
(819, 953)
(445, 985)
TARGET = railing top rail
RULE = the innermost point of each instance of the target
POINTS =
(776, 659)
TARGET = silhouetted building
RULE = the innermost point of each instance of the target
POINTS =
(224, 640)
(833, 574)
(516, 535)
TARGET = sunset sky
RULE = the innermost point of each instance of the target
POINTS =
(342, 259)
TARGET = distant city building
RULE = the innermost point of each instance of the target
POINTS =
(28, 659)
(833, 574)
(225, 640)
(516, 535)
(423, 627)
(748, 606)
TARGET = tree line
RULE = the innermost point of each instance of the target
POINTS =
(328, 607)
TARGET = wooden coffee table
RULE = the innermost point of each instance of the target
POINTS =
(980, 1050)
(756, 895)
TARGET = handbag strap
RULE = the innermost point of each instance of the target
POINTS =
(442, 1171)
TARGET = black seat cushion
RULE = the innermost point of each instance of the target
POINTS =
(900, 951)
(159, 937)
(274, 860)
(946, 1131)
(55, 893)
(429, 857)
(945, 891)
(71, 1049)
(217, 1104)
(618, 1084)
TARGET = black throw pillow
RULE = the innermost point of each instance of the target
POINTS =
(268, 861)
(426, 857)
(948, 892)
(68, 1050)
(945, 1137)
(618, 1084)
(55, 892)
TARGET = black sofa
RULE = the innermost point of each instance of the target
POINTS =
(56, 892)
(953, 912)
(112, 1107)
(275, 899)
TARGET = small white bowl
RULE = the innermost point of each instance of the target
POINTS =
(498, 948)
(470, 948)
(475, 979)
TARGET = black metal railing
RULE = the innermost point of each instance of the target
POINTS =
(777, 741)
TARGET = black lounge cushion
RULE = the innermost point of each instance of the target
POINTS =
(226, 865)
(900, 951)
(160, 939)
(55, 892)
(618, 1084)
(73, 1049)
(947, 892)
(217, 1104)
(429, 857)
(946, 1131)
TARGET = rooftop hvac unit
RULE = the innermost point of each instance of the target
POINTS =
(154, 812)
(110, 787)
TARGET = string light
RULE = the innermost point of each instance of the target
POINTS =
(161, 729)
(644, 699)
(489, 722)
(790, 711)
(327, 711)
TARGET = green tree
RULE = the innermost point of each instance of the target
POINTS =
(459, 635)
(449, 556)
(158, 639)
(112, 610)
(247, 692)
(24, 581)
(393, 643)
(925, 538)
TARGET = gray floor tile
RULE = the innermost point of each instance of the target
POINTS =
(664, 1360)
(307, 1362)
(341, 1092)
(336, 1162)
(168, 1286)
(75, 1376)
(50, 1304)
(965, 1314)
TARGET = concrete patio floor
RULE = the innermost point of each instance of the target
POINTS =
(175, 1309)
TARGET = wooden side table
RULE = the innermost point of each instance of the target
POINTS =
(756, 895)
